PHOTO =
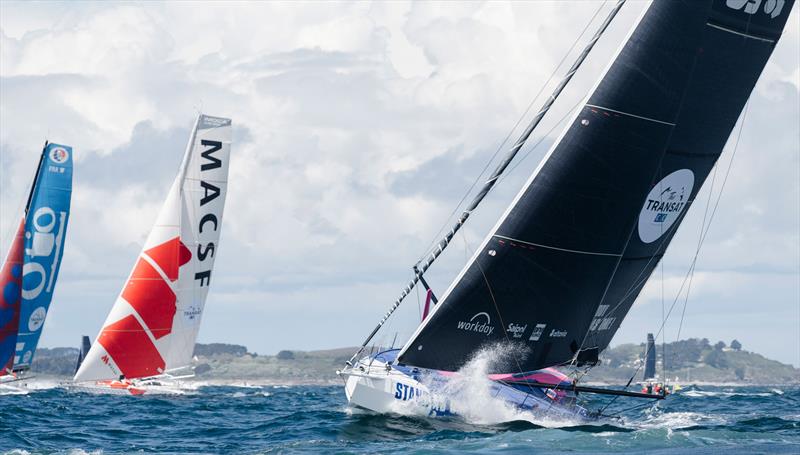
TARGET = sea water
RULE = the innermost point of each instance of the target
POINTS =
(315, 419)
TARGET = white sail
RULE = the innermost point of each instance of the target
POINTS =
(153, 325)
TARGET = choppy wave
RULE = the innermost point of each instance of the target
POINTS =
(244, 418)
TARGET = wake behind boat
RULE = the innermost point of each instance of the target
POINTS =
(554, 279)
(149, 336)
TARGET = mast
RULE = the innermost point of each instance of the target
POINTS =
(35, 178)
(489, 184)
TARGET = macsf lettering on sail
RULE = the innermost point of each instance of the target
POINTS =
(153, 325)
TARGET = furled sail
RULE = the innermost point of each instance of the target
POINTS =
(562, 267)
(154, 322)
(29, 275)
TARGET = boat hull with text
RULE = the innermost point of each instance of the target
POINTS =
(376, 383)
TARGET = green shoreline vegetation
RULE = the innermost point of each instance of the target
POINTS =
(691, 361)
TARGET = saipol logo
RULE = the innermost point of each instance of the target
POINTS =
(771, 7)
(59, 155)
(36, 320)
(537, 332)
(516, 330)
(477, 324)
(664, 204)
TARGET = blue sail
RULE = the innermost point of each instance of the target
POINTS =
(45, 231)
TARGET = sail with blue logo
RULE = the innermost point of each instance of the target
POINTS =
(39, 244)
(563, 266)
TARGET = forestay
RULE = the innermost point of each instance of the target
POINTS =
(562, 267)
(153, 325)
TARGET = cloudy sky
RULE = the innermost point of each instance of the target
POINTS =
(358, 129)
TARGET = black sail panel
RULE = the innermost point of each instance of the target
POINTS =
(560, 271)
(725, 73)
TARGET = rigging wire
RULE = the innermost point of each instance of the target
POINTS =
(662, 243)
(703, 237)
(704, 234)
(490, 183)
(500, 147)
(692, 269)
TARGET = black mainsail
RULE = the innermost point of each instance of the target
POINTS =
(561, 269)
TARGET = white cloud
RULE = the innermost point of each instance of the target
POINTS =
(358, 126)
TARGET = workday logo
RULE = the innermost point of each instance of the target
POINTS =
(480, 323)
(771, 7)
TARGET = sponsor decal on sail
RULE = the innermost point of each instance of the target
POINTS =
(479, 323)
(36, 321)
(664, 204)
(555, 333)
(537, 332)
(771, 7)
(209, 220)
(59, 155)
(516, 330)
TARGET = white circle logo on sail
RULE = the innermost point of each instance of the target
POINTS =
(59, 155)
(36, 320)
(664, 204)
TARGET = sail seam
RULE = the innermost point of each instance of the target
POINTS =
(631, 115)
(593, 253)
(746, 35)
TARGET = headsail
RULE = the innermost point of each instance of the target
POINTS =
(561, 269)
(10, 299)
(154, 322)
(31, 270)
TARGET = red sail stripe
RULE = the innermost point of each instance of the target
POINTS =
(152, 298)
(10, 297)
(132, 350)
(170, 256)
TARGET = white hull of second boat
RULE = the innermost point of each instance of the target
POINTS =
(378, 386)
(385, 390)
(12, 385)
(168, 385)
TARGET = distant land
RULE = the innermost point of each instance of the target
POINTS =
(691, 361)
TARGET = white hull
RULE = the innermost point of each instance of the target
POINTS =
(374, 385)
(10, 385)
(388, 391)
(165, 385)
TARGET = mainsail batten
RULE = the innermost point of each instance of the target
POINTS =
(629, 142)
(153, 325)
